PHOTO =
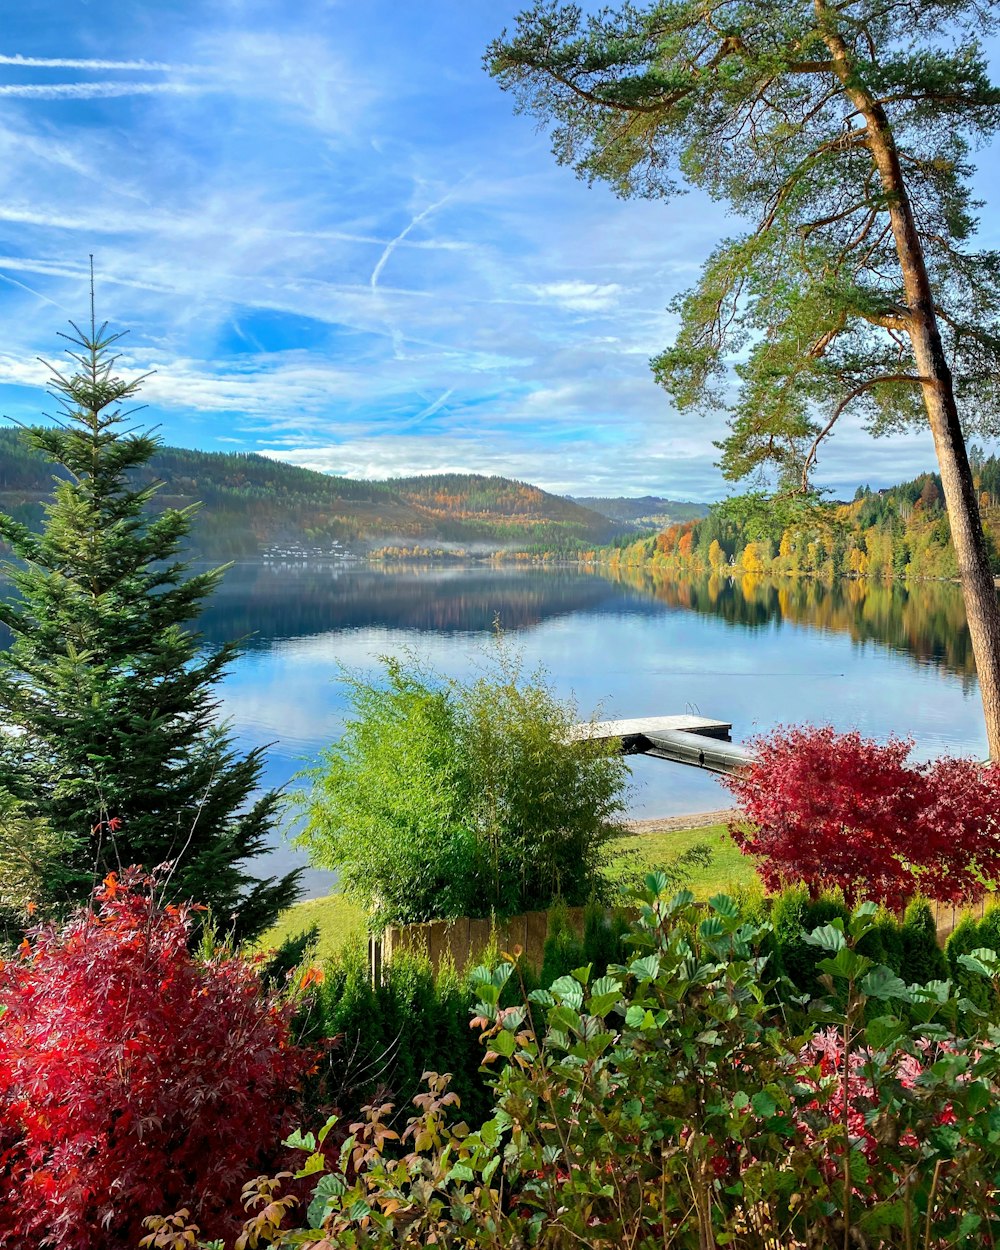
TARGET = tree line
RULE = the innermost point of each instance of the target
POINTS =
(895, 534)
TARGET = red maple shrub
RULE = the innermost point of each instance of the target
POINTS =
(133, 1077)
(839, 811)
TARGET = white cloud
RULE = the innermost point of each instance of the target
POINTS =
(641, 466)
(21, 371)
(90, 63)
(580, 296)
(352, 246)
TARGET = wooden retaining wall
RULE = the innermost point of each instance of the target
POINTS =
(462, 942)
(947, 916)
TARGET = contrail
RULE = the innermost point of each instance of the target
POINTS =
(94, 90)
(429, 411)
(391, 246)
(66, 62)
(31, 291)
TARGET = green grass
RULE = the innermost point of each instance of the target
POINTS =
(643, 852)
(338, 919)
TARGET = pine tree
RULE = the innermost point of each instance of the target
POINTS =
(838, 132)
(111, 697)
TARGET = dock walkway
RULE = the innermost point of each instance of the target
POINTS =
(695, 740)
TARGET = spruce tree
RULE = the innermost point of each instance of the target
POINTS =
(108, 699)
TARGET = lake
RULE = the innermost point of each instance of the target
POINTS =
(754, 652)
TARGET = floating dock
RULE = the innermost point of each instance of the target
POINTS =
(695, 740)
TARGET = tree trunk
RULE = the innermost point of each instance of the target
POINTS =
(982, 608)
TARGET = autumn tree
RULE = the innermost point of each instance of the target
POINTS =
(839, 811)
(111, 739)
(839, 133)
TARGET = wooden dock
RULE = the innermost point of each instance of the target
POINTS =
(695, 740)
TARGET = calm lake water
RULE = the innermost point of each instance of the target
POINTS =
(753, 652)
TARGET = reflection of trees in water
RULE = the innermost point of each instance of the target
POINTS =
(261, 602)
(924, 620)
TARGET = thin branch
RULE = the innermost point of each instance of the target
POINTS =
(838, 412)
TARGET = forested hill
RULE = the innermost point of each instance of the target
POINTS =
(643, 511)
(251, 503)
(899, 532)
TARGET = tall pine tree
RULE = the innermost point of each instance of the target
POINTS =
(107, 697)
(838, 132)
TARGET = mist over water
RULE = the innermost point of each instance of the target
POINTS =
(755, 652)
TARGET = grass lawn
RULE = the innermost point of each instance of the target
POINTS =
(643, 852)
(339, 919)
(336, 917)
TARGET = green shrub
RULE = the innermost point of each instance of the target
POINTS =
(33, 874)
(971, 934)
(563, 950)
(443, 800)
(923, 958)
(390, 1034)
(793, 915)
(963, 940)
(604, 938)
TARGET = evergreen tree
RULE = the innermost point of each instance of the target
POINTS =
(110, 696)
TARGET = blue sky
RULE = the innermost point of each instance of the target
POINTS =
(330, 236)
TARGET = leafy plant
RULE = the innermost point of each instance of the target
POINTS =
(444, 799)
(838, 134)
(32, 865)
(112, 694)
(675, 1102)
(842, 812)
(133, 1076)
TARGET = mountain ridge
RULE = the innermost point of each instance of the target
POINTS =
(251, 503)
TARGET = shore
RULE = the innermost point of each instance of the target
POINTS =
(673, 824)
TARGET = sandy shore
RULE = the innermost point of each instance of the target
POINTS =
(694, 820)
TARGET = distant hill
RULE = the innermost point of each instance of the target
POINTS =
(644, 511)
(251, 503)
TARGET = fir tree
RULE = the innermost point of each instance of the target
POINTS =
(110, 695)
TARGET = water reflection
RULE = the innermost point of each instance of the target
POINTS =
(263, 603)
(925, 620)
(754, 652)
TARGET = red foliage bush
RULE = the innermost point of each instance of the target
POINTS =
(133, 1077)
(844, 812)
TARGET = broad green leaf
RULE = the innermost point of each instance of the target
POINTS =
(724, 905)
(325, 1195)
(504, 1043)
(568, 990)
(883, 983)
(863, 920)
(846, 964)
(829, 936)
(647, 968)
(884, 1031)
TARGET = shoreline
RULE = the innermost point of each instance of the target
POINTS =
(675, 824)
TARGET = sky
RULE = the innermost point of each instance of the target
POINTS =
(328, 233)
